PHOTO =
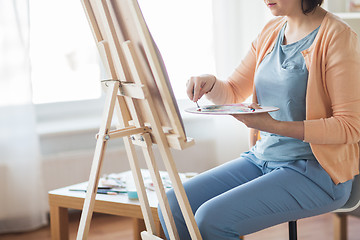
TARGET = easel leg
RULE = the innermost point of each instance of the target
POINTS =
(97, 162)
(154, 173)
(159, 188)
(140, 187)
(123, 118)
(162, 143)
(174, 176)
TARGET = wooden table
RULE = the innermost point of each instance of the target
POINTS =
(60, 200)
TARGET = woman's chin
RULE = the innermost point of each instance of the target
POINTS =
(277, 13)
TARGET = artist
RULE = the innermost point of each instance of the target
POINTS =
(306, 62)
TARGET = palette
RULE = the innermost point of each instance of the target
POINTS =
(229, 109)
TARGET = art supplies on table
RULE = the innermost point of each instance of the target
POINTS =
(108, 191)
(123, 183)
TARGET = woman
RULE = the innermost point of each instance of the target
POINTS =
(305, 61)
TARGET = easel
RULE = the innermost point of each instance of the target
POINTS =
(139, 123)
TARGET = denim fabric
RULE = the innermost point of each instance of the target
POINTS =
(248, 194)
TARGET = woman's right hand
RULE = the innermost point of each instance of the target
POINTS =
(197, 86)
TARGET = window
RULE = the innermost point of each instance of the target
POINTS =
(65, 62)
(64, 58)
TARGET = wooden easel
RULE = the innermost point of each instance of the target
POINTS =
(139, 123)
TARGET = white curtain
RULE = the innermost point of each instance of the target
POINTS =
(22, 196)
(236, 25)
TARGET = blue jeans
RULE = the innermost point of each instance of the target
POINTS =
(247, 194)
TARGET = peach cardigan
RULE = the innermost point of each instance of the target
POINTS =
(332, 125)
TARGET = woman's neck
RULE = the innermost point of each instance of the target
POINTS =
(300, 25)
(303, 22)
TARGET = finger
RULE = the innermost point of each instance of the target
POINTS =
(201, 94)
(197, 89)
(255, 106)
(190, 89)
(202, 90)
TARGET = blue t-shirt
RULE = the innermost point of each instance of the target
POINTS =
(281, 81)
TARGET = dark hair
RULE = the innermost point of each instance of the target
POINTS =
(310, 4)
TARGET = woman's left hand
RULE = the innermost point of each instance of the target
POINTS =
(264, 122)
(260, 121)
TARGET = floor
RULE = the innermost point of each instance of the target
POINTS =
(112, 227)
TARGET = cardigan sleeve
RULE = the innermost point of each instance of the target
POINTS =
(239, 86)
(342, 84)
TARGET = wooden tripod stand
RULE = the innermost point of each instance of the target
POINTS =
(139, 123)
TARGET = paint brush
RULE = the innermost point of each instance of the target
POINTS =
(198, 107)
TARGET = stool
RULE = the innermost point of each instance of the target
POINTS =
(352, 204)
(292, 230)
